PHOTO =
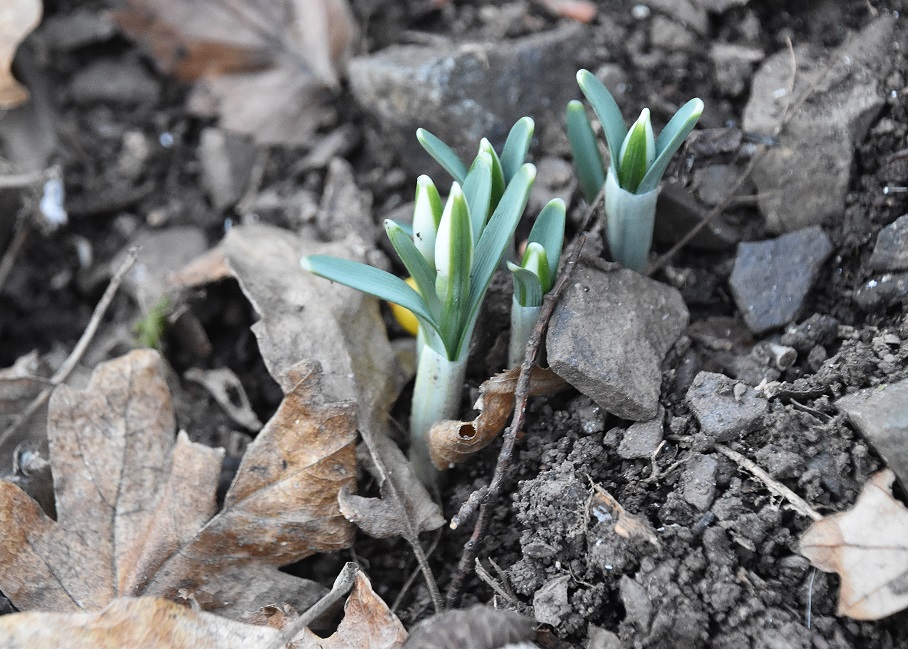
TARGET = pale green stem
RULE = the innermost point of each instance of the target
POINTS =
(630, 219)
(436, 397)
(523, 320)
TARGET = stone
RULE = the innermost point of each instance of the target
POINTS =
(881, 414)
(725, 408)
(642, 438)
(637, 605)
(733, 66)
(464, 93)
(803, 180)
(891, 249)
(550, 603)
(699, 479)
(771, 278)
(669, 35)
(818, 329)
(344, 207)
(227, 160)
(609, 335)
(600, 638)
(780, 464)
(115, 81)
(882, 292)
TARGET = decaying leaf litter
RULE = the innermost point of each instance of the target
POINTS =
(730, 544)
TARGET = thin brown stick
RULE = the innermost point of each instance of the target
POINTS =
(484, 575)
(76, 355)
(800, 505)
(12, 251)
(521, 395)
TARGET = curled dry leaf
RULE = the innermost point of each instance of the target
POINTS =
(138, 623)
(137, 514)
(868, 547)
(17, 20)
(451, 442)
(368, 624)
(627, 525)
(262, 65)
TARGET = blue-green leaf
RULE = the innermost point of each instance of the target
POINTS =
(426, 216)
(527, 287)
(443, 155)
(587, 159)
(498, 183)
(478, 191)
(669, 141)
(637, 153)
(516, 147)
(416, 264)
(607, 111)
(548, 231)
(367, 279)
(453, 260)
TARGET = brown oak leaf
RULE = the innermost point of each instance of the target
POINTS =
(136, 508)
(868, 546)
(17, 20)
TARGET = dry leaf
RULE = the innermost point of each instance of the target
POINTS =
(868, 547)
(137, 623)
(478, 627)
(21, 382)
(405, 508)
(451, 442)
(263, 65)
(17, 20)
(583, 11)
(368, 624)
(304, 316)
(627, 525)
(136, 511)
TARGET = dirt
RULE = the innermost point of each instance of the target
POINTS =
(727, 575)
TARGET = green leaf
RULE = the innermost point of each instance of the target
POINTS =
(587, 159)
(453, 260)
(637, 152)
(367, 279)
(426, 216)
(416, 265)
(607, 111)
(498, 183)
(443, 154)
(669, 141)
(535, 261)
(527, 287)
(548, 231)
(516, 147)
(478, 191)
(494, 240)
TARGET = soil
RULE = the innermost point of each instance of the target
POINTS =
(727, 577)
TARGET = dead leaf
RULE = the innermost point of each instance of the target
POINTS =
(21, 382)
(868, 547)
(627, 525)
(263, 65)
(478, 627)
(18, 18)
(304, 316)
(228, 392)
(138, 623)
(405, 508)
(582, 11)
(136, 511)
(368, 624)
(451, 442)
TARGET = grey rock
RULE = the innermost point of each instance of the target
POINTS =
(818, 329)
(771, 278)
(733, 66)
(891, 249)
(881, 414)
(345, 208)
(699, 480)
(687, 12)
(464, 93)
(115, 81)
(725, 409)
(550, 603)
(883, 291)
(780, 464)
(609, 335)
(713, 182)
(600, 638)
(637, 604)
(678, 212)
(804, 180)
(642, 438)
(227, 160)
(672, 36)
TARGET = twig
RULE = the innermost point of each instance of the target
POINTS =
(468, 508)
(11, 181)
(521, 395)
(483, 574)
(76, 355)
(414, 575)
(10, 254)
(339, 590)
(591, 209)
(800, 505)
